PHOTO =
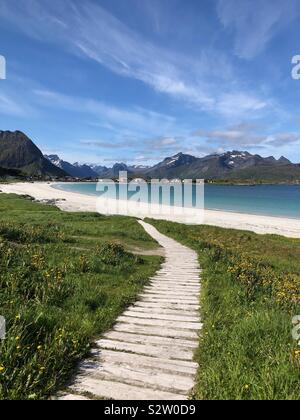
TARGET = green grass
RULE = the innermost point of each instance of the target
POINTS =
(251, 291)
(64, 279)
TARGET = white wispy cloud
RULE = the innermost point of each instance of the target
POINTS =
(240, 104)
(86, 29)
(284, 139)
(241, 135)
(104, 144)
(255, 22)
(130, 142)
(249, 136)
(10, 105)
(141, 120)
(163, 144)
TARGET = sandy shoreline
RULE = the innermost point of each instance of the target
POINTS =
(73, 202)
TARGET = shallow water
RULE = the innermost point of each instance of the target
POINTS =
(269, 200)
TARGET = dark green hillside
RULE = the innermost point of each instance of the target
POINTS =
(17, 151)
(268, 173)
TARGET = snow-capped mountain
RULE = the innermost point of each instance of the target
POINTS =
(100, 170)
(226, 166)
(76, 170)
(231, 165)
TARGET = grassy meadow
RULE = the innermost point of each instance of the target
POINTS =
(250, 292)
(64, 279)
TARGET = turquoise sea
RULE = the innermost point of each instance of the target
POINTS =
(270, 200)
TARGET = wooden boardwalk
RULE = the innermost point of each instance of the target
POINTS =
(149, 353)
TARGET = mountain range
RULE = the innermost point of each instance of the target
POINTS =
(231, 166)
(75, 170)
(95, 171)
(235, 165)
(18, 152)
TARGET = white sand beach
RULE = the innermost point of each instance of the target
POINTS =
(74, 202)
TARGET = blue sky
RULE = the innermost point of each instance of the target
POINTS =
(138, 80)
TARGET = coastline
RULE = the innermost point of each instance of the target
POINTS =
(76, 202)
